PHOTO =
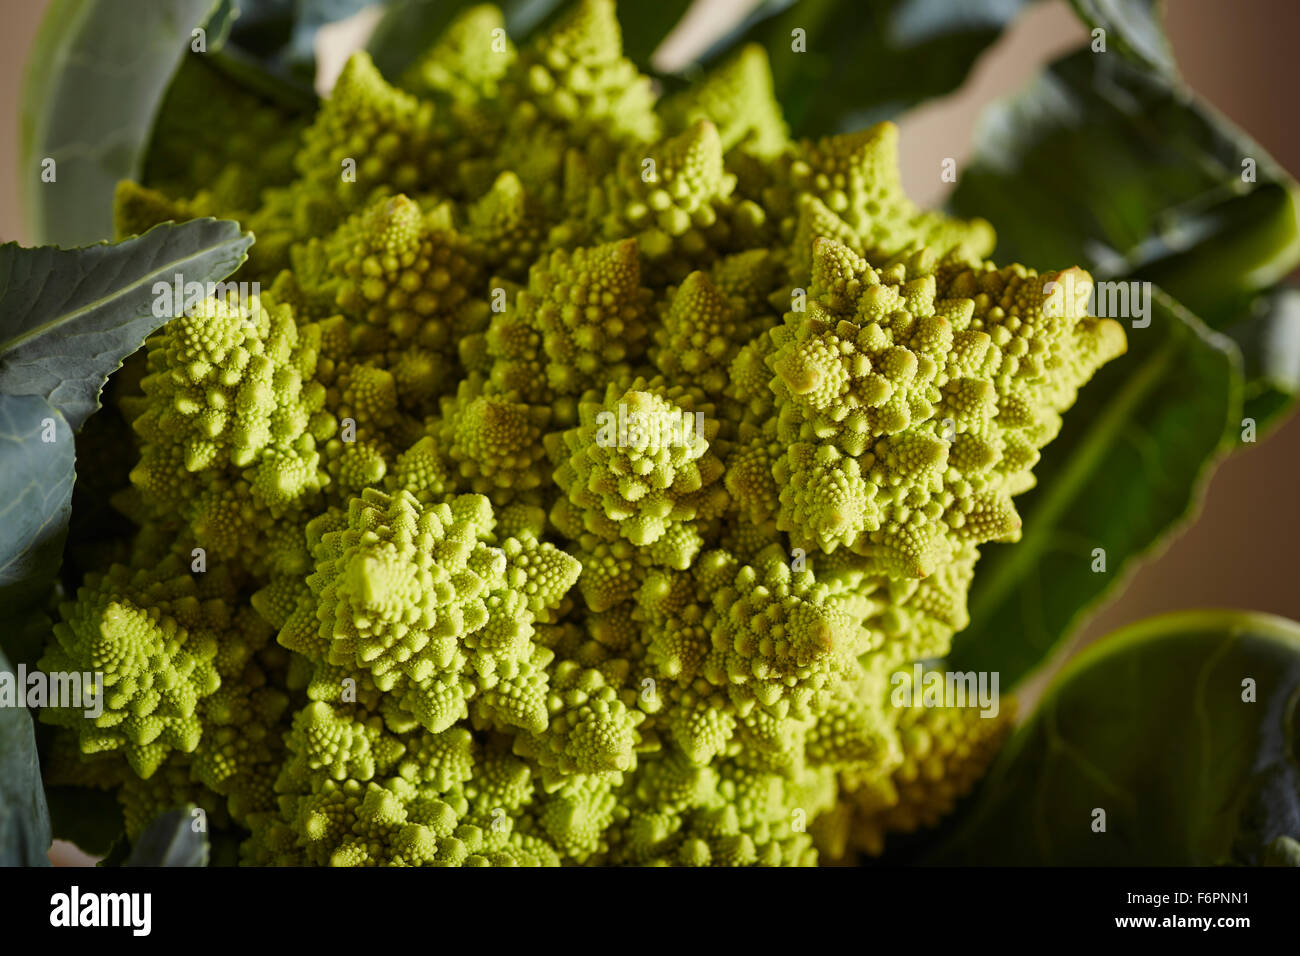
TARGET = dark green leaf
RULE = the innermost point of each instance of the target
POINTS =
(284, 91)
(260, 27)
(1151, 726)
(99, 536)
(866, 62)
(23, 641)
(171, 840)
(24, 819)
(94, 81)
(237, 61)
(89, 819)
(1251, 243)
(1105, 165)
(247, 41)
(69, 317)
(1269, 338)
(409, 27)
(1128, 463)
(1133, 27)
(281, 34)
(35, 490)
(220, 24)
(36, 477)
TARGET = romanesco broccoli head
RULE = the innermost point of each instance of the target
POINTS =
(579, 477)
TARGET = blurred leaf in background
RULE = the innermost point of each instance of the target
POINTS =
(1268, 335)
(177, 838)
(24, 817)
(93, 85)
(1181, 730)
(1134, 28)
(1142, 181)
(840, 65)
(36, 474)
(281, 34)
(96, 80)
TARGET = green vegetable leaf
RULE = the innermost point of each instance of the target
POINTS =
(24, 818)
(280, 35)
(842, 64)
(29, 621)
(171, 840)
(1182, 729)
(407, 29)
(1269, 338)
(1105, 165)
(255, 30)
(1128, 463)
(71, 316)
(1133, 27)
(221, 23)
(93, 85)
(36, 475)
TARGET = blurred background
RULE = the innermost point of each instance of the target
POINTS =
(1240, 551)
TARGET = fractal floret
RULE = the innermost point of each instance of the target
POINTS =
(578, 477)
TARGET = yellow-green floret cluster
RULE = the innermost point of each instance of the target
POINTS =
(579, 476)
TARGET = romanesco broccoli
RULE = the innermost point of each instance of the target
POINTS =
(575, 483)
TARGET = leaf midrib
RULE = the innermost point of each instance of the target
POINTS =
(118, 293)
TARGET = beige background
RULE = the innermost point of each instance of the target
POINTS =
(1241, 550)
